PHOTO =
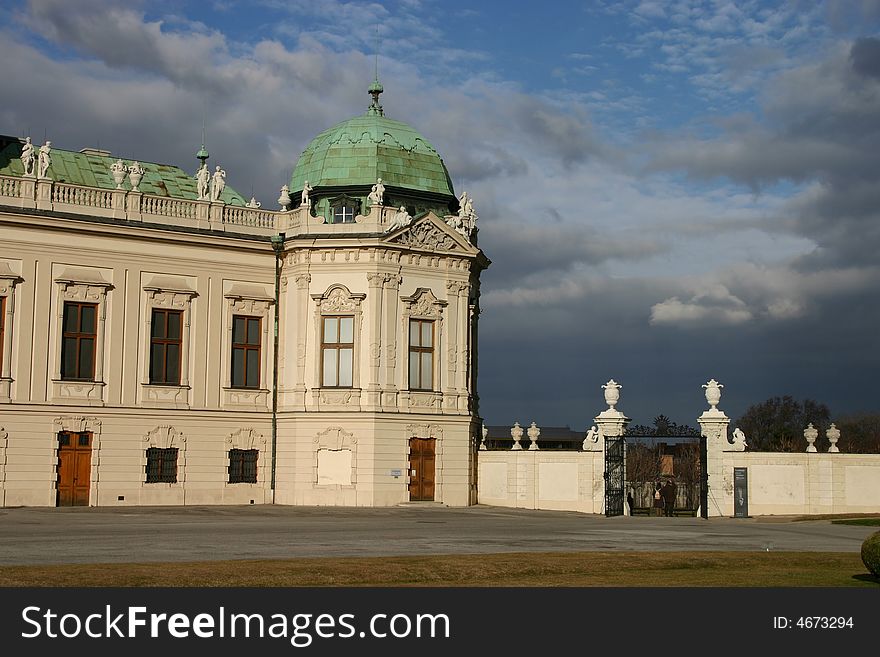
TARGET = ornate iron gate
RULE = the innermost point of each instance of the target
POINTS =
(615, 475)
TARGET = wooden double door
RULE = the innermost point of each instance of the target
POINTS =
(74, 468)
(422, 461)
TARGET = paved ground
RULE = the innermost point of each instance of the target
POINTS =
(98, 535)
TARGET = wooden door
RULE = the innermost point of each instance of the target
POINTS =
(74, 468)
(421, 469)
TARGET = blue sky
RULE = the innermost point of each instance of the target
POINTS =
(669, 191)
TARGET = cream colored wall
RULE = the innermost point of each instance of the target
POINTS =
(561, 481)
(128, 269)
(801, 483)
(779, 483)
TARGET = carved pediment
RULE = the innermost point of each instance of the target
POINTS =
(424, 304)
(431, 234)
(338, 298)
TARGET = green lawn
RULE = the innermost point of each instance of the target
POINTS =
(690, 569)
(865, 522)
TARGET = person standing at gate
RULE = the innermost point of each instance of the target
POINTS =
(658, 499)
(670, 491)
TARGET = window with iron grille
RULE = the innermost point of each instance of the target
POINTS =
(421, 354)
(337, 352)
(245, 351)
(162, 465)
(79, 334)
(165, 347)
(243, 466)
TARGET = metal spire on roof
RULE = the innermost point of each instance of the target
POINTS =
(203, 152)
(376, 88)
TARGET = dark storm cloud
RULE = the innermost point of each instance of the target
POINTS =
(865, 57)
(531, 248)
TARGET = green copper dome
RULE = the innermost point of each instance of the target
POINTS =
(362, 149)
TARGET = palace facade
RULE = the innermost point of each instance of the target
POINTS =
(163, 341)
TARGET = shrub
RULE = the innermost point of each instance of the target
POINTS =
(871, 553)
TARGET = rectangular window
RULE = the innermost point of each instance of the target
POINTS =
(165, 347)
(162, 465)
(245, 352)
(343, 214)
(421, 354)
(337, 352)
(243, 466)
(79, 334)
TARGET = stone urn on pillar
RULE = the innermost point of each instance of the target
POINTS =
(612, 393)
(832, 433)
(135, 175)
(516, 432)
(611, 422)
(811, 433)
(713, 393)
(284, 200)
(118, 171)
(533, 432)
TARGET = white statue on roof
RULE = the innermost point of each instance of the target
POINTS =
(400, 219)
(203, 182)
(28, 158)
(45, 159)
(377, 193)
(304, 197)
(254, 203)
(465, 220)
(218, 183)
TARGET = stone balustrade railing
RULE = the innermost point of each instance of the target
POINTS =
(249, 217)
(92, 197)
(10, 186)
(46, 194)
(161, 206)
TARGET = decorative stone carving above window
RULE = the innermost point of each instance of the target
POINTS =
(338, 299)
(424, 304)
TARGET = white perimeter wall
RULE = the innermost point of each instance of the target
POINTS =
(562, 481)
(808, 484)
(779, 483)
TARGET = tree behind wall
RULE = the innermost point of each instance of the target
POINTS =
(777, 424)
(859, 433)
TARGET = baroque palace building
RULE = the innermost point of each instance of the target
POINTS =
(163, 341)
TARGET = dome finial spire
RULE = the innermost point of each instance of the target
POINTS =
(202, 155)
(376, 88)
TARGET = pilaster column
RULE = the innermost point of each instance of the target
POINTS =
(391, 307)
(302, 311)
(376, 284)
